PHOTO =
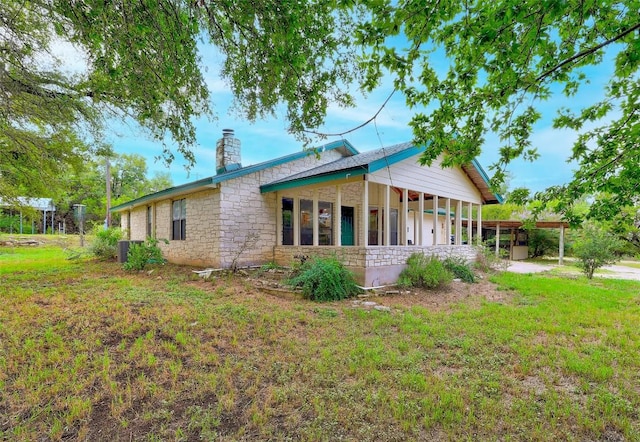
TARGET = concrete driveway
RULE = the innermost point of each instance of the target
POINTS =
(613, 271)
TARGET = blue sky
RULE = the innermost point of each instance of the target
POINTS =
(267, 139)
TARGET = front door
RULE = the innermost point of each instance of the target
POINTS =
(346, 223)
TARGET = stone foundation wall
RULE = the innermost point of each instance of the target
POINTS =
(373, 265)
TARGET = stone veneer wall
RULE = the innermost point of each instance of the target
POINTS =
(232, 222)
(138, 227)
(373, 265)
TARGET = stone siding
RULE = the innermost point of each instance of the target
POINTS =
(233, 222)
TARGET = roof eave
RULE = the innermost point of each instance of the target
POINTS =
(166, 193)
(343, 174)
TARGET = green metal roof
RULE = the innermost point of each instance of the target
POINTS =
(369, 162)
(213, 181)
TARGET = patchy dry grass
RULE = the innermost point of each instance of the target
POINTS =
(90, 352)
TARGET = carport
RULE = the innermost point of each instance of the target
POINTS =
(518, 238)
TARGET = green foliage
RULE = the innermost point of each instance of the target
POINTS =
(11, 224)
(105, 242)
(143, 61)
(596, 248)
(487, 261)
(324, 279)
(460, 268)
(543, 242)
(141, 255)
(425, 271)
(472, 68)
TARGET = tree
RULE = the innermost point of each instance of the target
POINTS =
(142, 61)
(595, 248)
(88, 186)
(464, 67)
(470, 67)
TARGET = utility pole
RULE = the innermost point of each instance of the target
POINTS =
(79, 212)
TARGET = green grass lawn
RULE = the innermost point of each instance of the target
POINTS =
(91, 352)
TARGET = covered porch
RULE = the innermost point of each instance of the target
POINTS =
(374, 209)
(373, 227)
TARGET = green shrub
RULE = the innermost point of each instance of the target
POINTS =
(487, 261)
(460, 268)
(105, 243)
(324, 279)
(596, 248)
(141, 255)
(543, 242)
(424, 271)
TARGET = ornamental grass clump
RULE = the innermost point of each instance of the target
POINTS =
(426, 272)
(324, 279)
(460, 268)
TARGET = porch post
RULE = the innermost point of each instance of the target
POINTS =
(316, 219)
(459, 223)
(479, 225)
(435, 220)
(497, 240)
(338, 222)
(365, 212)
(278, 218)
(420, 235)
(296, 221)
(405, 215)
(470, 224)
(511, 244)
(561, 246)
(387, 215)
(379, 219)
(447, 217)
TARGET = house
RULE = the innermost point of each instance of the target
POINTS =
(372, 209)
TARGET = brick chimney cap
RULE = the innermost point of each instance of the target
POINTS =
(227, 132)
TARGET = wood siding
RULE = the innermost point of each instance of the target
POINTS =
(450, 182)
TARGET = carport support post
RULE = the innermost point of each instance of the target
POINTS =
(561, 246)
(497, 240)
(479, 225)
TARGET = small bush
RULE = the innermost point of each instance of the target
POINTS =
(105, 244)
(460, 268)
(324, 279)
(141, 255)
(595, 249)
(487, 261)
(424, 271)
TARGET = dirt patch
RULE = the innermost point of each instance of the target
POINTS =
(442, 300)
(272, 283)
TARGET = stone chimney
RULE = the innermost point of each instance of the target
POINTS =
(227, 152)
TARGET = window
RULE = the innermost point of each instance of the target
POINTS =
(287, 221)
(325, 223)
(149, 221)
(306, 222)
(373, 226)
(179, 230)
